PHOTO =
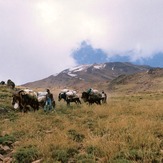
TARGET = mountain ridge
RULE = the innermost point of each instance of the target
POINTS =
(88, 75)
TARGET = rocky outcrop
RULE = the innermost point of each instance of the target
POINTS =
(6, 155)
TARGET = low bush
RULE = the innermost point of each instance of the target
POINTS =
(60, 155)
(26, 155)
(7, 140)
(95, 151)
(85, 158)
(64, 155)
(75, 136)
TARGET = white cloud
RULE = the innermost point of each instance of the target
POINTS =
(36, 37)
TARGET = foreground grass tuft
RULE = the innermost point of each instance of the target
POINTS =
(26, 154)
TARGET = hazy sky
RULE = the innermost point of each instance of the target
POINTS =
(37, 37)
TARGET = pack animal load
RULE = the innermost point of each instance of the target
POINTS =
(69, 96)
(41, 96)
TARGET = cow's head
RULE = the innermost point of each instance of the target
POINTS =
(15, 101)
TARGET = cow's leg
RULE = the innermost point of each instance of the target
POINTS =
(78, 100)
(25, 109)
(21, 107)
(68, 103)
(53, 103)
(45, 108)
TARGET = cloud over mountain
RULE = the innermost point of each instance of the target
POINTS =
(86, 54)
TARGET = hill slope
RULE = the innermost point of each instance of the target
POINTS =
(150, 81)
(88, 75)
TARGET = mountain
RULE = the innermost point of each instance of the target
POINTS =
(89, 75)
(146, 81)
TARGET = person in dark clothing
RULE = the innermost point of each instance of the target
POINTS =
(89, 90)
(49, 101)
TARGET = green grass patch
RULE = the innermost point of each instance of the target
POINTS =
(7, 140)
(26, 154)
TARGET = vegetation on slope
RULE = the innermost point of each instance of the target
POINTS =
(126, 129)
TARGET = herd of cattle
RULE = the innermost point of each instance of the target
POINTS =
(26, 99)
(9, 83)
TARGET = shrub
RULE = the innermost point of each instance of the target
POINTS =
(60, 155)
(75, 136)
(85, 158)
(64, 155)
(26, 155)
(120, 160)
(72, 152)
(95, 151)
(134, 155)
(7, 140)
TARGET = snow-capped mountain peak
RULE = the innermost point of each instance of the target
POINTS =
(83, 68)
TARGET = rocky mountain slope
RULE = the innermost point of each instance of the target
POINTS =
(88, 75)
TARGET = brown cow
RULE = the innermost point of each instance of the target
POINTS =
(22, 100)
(92, 98)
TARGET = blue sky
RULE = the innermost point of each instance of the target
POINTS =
(86, 54)
(38, 38)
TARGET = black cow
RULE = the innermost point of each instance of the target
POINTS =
(92, 98)
(10, 84)
(2, 83)
(24, 100)
(69, 99)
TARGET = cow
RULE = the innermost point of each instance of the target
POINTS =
(23, 101)
(92, 97)
(10, 84)
(2, 83)
(69, 96)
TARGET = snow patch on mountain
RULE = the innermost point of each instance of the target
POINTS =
(74, 70)
(99, 66)
(72, 75)
(79, 68)
(85, 67)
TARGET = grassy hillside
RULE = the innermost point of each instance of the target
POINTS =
(129, 128)
(150, 81)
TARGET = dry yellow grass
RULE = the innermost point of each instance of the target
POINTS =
(129, 128)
